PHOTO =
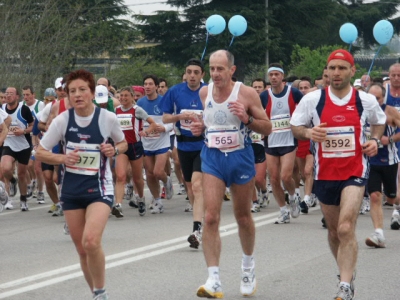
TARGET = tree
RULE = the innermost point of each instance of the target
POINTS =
(307, 23)
(42, 39)
(133, 71)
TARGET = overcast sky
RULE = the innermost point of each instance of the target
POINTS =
(147, 6)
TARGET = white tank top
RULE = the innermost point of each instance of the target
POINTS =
(224, 130)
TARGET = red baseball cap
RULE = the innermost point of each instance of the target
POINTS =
(343, 55)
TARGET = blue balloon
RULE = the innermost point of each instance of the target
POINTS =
(348, 33)
(383, 32)
(215, 24)
(237, 25)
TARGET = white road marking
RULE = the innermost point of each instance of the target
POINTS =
(133, 255)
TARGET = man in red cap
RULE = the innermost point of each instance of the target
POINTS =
(333, 119)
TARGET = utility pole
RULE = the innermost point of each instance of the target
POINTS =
(266, 36)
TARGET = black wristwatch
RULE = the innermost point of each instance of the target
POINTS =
(116, 151)
(249, 121)
(378, 142)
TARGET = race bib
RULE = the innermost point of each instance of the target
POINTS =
(256, 137)
(125, 121)
(185, 124)
(280, 123)
(151, 135)
(340, 142)
(223, 137)
(89, 158)
(13, 127)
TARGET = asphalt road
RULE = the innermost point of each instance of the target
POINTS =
(149, 258)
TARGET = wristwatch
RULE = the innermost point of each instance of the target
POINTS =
(391, 140)
(116, 151)
(249, 121)
(378, 142)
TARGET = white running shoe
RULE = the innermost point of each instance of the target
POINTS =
(283, 218)
(376, 240)
(182, 190)
(66, 229)
(264, 201)
(40, 198)
(395, 222)
(248, 284)
(188, 208)
(23, 205)
(194, 239)
(295, 206)
(211, 289)
(365, 206)
(169, 188)
(157, 208)
(9, 205)
(255, 207)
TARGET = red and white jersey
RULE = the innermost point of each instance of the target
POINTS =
(130, 123)
(340, 156)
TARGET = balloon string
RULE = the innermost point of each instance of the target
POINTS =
(350, 48)
(233, 37)
(372, 63)
(205, 47)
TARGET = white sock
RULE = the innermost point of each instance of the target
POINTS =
(306, 198)
(283, 209)
(213, 272)
(247, 261)
(291, 197)
(379, 231)
(345, 284)
(297, 191)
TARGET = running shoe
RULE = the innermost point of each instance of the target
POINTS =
(188, 208)
(101, 296)
(376, 240)
(248, 284)
(211, 289)
(395, 222)
(58, 212)
(366, 203)
(66, 229)
(162, 196)
(269, 188)
(153, 201)
(169, 188)
(23, 205)
(227, 195)
(295, 207)
(29, 191)
(9, 205)
(303, 207)
(323, 222)
(142, 207)
(40, 198)
(283, 218)
(13, 188)
(157, 208)
(314, 200)
(194, 239)
(363, 208)
(344, 293)
(52, 209)
(133, 203)
(255, 207)
(117, 211)
(264, 201)
(182, 190)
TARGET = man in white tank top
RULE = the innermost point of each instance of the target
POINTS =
(231, 111)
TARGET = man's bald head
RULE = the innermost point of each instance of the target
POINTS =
(224, 54)
(103, 81)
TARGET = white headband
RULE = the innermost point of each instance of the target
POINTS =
(276, 69)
